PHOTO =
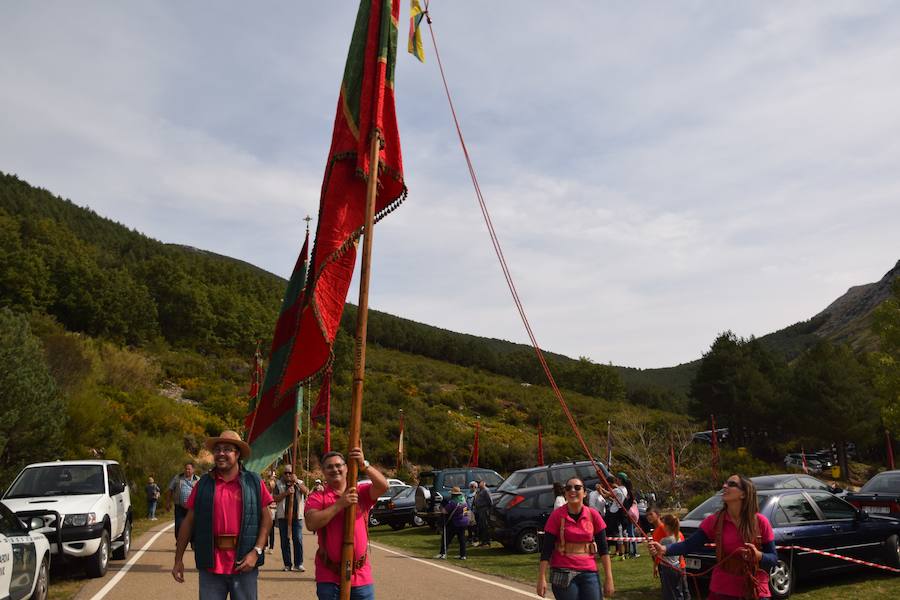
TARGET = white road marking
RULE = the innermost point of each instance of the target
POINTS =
(436, 565)
(112, 582)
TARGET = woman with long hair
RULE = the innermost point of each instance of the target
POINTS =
(745, 544)
(574, 536)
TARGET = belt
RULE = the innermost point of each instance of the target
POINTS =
(336, 567)
(572, 548)
(226, 542)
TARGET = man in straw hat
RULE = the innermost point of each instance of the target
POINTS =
(325, 516)
(228, 520)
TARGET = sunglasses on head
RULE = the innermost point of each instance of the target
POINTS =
(733, 484)
(574, 487)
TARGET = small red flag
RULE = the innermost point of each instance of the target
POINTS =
(540, 455)
(803, 460)
(473, 462)
(890, 449)
(672, 463)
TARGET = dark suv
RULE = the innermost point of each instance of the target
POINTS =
(434, 486)
(550, 474)
(517, 518)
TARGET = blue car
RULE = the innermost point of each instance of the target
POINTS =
(814, 519)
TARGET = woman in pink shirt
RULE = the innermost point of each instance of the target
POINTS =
(574, 536)
(745, 544)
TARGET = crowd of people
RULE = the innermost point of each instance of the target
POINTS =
(229, 514)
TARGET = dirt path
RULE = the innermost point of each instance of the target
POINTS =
(147, 574)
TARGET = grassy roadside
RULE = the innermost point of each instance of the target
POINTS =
(633, 578)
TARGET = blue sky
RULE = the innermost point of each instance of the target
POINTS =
(658, 172)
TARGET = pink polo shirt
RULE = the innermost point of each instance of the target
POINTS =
(227, 510)
(726, 583)
(577, 532)
(331, 537)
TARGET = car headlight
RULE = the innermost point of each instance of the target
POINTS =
(80, 520)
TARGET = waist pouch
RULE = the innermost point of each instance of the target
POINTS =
(561, 578)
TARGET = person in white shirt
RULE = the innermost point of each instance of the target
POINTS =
(596, 500)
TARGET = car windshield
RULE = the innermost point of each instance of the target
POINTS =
(883, 483)
(405, 493)
(713, 504)
(58, 480)
(513, 482)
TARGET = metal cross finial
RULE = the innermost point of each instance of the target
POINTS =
(307, 219)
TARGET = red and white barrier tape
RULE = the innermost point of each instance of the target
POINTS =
(802, 548)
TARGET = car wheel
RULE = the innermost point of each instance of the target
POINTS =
(417, 521)
(398, 526)
(373, 521)
(121, 553)
(42, 585)
(892, 551)
(527, 541)
(781, 580)
(96, 564)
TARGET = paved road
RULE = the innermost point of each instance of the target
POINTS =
(147, 574)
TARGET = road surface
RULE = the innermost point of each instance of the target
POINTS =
(147, 574)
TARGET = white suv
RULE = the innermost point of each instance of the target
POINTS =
(85, 506)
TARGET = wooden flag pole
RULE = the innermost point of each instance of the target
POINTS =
(289, 500)
(359, 368)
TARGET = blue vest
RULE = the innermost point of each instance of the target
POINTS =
(204, 545)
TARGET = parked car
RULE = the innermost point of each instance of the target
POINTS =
(812, 518)
(434, 486)
(550, 474)
(881, 494)
(85, 506)
(385, 497)
(801, 481)
(24, 558)
(795, 460)
(517, 518)
(396, 512)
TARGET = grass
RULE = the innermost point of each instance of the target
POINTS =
(633, 578)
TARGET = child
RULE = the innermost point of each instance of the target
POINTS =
(671, 574)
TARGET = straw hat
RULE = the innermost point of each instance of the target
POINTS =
(455, 490)
(229, 437)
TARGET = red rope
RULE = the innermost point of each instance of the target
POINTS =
(498, 250)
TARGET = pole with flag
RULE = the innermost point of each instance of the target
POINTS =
(609, 445)
(672, 465)
(400, 444)
(272, 425)
(714, 438)
(473, 461)
(540, 452)
(803, 460)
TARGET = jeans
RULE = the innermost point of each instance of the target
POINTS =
(239, 586)
(483, 517)
(674, 584)
(332, 591)
(151, 509)
(629, 532)
(585, 586)
(296, 540)
(451, 531)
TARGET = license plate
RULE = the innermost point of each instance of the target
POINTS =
(692, 563)
(877, 509)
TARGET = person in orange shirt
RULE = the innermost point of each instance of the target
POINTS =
(671, 576)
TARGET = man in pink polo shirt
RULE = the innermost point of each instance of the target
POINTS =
(325, 516)
(228, 521)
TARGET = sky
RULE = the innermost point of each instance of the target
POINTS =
(657, 172)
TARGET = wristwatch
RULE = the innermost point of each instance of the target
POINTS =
(365, 465)
(259, 551)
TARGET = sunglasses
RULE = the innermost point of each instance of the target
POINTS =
(733, 484)
(224, 449)
(576, 488)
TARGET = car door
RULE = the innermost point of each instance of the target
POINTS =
(853, 537)
(117, 500)
(6, 569)
(797, 523)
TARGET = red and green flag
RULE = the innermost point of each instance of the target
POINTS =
(365, 109)
(270, 426)
(322, 409)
